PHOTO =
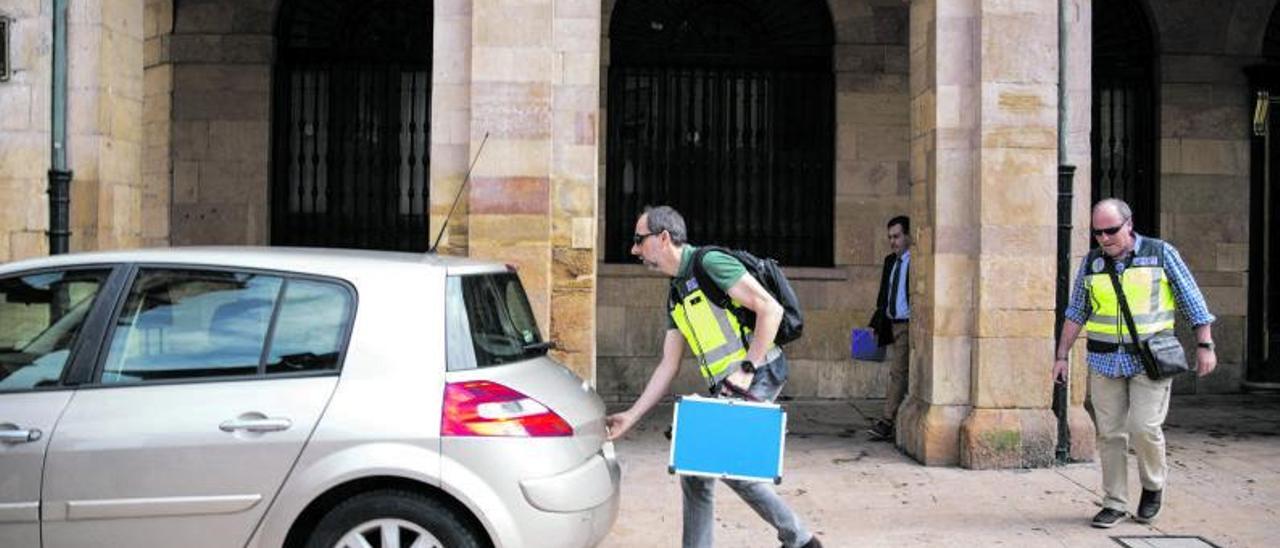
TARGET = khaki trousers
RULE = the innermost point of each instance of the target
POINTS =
(1130, 410)
(897, 355)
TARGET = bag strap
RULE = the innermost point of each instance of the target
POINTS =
(719, 296)
(1144, 354)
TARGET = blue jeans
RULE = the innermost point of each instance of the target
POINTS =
(699, 492)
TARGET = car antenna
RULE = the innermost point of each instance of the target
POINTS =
(465, 179)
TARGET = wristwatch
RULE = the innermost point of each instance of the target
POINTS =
(1206, 344)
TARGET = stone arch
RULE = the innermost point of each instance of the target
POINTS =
(1270, 47)
(741, 96)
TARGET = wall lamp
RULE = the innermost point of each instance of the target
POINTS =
(1261, 108)
(4, 48)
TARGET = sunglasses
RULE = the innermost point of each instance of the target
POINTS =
(1110, 231)
(637, 239)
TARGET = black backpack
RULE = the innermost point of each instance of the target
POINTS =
(769, 274)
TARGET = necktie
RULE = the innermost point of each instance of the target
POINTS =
(894, 275)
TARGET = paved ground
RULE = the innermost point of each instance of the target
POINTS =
(1224, 486)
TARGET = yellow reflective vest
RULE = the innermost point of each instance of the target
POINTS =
(1146, 288)
(714, 334)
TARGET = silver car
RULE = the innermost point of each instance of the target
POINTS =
(284, 397)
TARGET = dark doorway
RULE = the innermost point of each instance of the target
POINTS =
(351, 124)
(1124, 111)
(725, 111)
(1263, 321)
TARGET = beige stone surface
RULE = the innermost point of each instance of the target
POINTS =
(1011, 372)
(930, 433)
(1007, 438)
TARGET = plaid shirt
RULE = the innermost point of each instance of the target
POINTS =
(1186, 294)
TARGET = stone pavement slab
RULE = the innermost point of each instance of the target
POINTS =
(1224, 486)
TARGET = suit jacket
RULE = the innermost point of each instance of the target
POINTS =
(880, 321)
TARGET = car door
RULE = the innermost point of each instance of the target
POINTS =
(210, 385)
(44, 321)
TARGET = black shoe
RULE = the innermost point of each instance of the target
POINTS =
(1108, 518)
(813, 543)
(881, 430)
(1148, 506)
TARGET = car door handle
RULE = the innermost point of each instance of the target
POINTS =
(265, 424)
(10, 433)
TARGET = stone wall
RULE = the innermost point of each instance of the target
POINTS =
(220, 55)
(1204, 124)
(870, 58)
(24, 132)
(104, 133)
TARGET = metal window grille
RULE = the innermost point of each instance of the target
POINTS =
(725, 112)
(351, 126)
(1124, 135)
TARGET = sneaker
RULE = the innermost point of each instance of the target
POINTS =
(881, 430)
(1108, 518)
(1148, 506)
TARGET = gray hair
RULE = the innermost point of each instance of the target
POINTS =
(1121, 208)
(660, 218)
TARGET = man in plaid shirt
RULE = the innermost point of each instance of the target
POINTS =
(1128, 404)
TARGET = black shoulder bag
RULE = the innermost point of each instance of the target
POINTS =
(1162, 355)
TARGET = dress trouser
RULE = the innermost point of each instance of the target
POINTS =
(897, 354)
(1129, 410)
(699, 491)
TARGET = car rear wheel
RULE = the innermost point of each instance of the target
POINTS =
(392, 519)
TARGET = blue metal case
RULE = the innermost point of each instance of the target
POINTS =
(725, 438)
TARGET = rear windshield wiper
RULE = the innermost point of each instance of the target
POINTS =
(541, 346)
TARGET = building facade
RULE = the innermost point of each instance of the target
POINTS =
(793, 129)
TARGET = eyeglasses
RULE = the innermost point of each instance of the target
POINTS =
(1109, 231)
(637, 239)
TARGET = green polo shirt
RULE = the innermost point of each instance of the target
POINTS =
(722, 268)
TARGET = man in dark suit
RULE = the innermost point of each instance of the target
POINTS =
(890, 323)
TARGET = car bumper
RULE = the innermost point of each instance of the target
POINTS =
(522, 506)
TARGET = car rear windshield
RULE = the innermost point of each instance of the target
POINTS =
(490, 322)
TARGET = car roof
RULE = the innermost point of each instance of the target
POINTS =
(332, 262)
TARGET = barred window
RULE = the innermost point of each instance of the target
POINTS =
(351, 124)
(724, 110)
(1123, 137)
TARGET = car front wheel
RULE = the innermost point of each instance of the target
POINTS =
(392, 519)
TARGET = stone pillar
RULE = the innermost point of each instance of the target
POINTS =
(104, 123)
(535, 72)
(984, 168)
(157, 124)
(1079, 153)
(450, 123)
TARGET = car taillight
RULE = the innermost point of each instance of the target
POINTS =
(486, 408)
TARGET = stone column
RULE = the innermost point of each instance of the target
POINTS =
(157, 122)
(450, 123)
(1079, 153)
(104, 123)
(535, 72)
(984, 168)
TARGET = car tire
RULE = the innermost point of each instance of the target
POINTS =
(414, 516)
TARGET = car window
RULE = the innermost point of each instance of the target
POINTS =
(191, 324)
(489, 322)
(40, 316)
(311, 327)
